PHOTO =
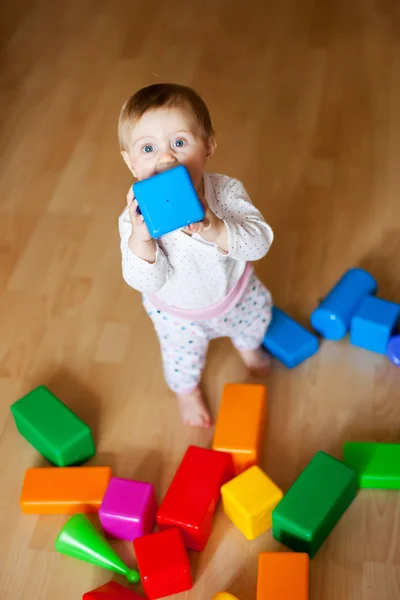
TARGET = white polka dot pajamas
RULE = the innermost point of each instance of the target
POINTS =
(184, 343)
(194, 292)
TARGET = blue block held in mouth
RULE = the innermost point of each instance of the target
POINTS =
(168, 201)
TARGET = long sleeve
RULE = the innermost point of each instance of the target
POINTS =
(249, 236)
(138, 273)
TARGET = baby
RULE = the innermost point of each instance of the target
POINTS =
(197, 283)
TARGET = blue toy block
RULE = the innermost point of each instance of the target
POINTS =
(373, 324)
(168, 201)
(393, 350)
(332, 318)
(288, 341)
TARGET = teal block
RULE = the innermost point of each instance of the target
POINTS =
(314, 504)
(377, 465)
(52, 428)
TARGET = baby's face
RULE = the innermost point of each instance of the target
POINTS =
(164, 138)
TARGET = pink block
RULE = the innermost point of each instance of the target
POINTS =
(129, 509)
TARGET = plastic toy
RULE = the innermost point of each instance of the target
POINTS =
(333, 316)
(129, 509)
(393, 350)
(168, 201)
(282, 576)
(373, 324)
(314, 504)
(377, 465)
(288, 341)
(224, 596)
(52, 428)
(64, 491)
(163, 563)
(111, 591)
(248, 501)
(192, 497)
(80, 539)
(240, 423)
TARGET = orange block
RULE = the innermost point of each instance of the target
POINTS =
(282, 575)
(66, 490)
(240, 423)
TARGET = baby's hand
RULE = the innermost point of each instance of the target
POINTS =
(139, 227)
(209, 228)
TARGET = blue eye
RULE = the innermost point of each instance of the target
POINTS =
(148, 148)
(179, 143)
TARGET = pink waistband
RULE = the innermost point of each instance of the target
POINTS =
(215, 310)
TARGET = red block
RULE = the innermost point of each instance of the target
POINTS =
(111, 591)
(192, 497)
(163, 563)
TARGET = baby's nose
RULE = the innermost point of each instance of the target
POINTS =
(166, 161)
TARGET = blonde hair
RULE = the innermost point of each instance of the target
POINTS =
(162, 95)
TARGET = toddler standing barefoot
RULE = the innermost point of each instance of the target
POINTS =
(197, 283)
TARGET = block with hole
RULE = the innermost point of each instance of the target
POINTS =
(288, 341)
(377, 464)
(249, 500)
(168, 201)
(52, 428)
(313, 505)
(373, 324)
(70, 490)
(332, 318)
(240, 423)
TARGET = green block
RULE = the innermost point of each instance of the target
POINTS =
(52, 428)
(377, 465)
(314, 504)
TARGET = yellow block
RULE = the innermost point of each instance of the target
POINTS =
(224, 596)
(249, 500)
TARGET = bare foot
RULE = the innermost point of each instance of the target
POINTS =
(193, 409)
(257, 361)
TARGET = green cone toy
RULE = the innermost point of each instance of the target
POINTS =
(80, 539)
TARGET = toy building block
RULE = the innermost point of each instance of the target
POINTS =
(377, 465)
(224, 596)
(393, 350)
(80, 539)
(192, 497)
(240, 422)
(50, 490)
(333, 316)
(163, 563)
(111, 591)
(248, 501)
(314, 504)
(282, 576)
(168, 201)
(52, 428)
(129, 509)
(373, 324)
(288, 341)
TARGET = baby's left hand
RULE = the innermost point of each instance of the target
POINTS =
(210, 227)
(210, 224)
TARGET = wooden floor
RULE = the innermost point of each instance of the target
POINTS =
(305, 96)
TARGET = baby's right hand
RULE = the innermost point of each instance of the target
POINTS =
(139, 228)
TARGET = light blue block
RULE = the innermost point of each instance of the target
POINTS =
(288, 341)
(168, 201)
(333, 316)
(373, 324)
